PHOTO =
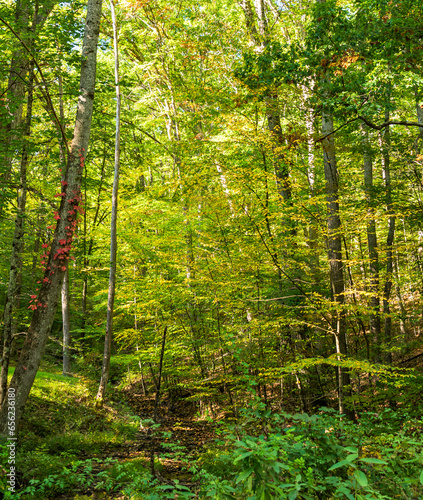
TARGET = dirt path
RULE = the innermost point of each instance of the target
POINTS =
(177, 453)
(188, 435)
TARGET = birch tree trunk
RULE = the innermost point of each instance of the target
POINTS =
(47, 300)
(113, 236)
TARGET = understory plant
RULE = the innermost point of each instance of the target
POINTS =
(283, 456)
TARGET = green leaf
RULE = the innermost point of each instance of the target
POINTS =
(373, 461)
(421, 476)
(292, 495)
(250, 483)
(342, 463)
(244, 474)
(242, 456)
(361, 478)
(346, 492)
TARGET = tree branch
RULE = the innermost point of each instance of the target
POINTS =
(390, 122)
(336, 130)
(371, 125)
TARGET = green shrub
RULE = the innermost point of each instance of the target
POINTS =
(283, 456)
(103, 475)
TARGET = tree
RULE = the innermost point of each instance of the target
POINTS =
(20, 66)
(46, 302)
(254, 218)
(113, 230)
(16, 257)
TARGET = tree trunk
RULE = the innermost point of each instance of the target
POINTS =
(16, 87)
(250, 22)
(419, 111)
(260, 39)
(17, 245)
(65, 285)
(372, 246)
(113, 236)
(16, 82)
(280, 161)
(87, 253)
(46, 303)
(385, 143)
(66, 324)
(334, 243)
(312, 233)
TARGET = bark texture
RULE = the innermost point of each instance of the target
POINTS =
(66, 325)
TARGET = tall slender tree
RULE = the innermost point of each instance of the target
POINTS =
(385, 140)
(372, 244)
(16, 255)
(113, 224)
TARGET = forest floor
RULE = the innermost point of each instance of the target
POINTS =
(182, 438)
(63, 426)
(71, 449)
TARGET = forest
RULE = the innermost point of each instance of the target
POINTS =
(211, 249)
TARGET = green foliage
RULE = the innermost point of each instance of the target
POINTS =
(104, 475)
(4, 457)
(209, 248)
(319, 456)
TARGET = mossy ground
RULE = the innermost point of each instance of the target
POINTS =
(62, 425)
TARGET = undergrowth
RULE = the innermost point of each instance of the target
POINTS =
(61, 430)
(283, 456)
(67, 441)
